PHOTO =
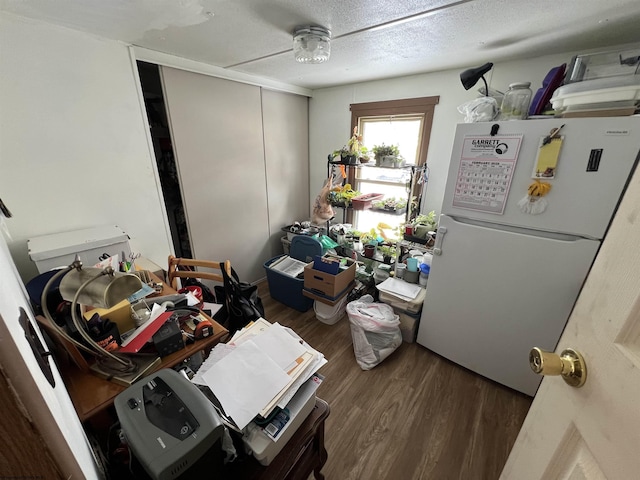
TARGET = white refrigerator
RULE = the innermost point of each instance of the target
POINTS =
(508, 267)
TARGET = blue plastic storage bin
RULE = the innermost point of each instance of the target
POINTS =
(286, 289)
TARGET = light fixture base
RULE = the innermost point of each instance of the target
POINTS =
(311, 44)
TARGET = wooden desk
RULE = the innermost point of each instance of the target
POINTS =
(303, 455)
(91, 394)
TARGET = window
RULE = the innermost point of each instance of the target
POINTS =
(406, 124)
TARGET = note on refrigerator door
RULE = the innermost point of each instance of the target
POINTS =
(547, 162)
(487, 165)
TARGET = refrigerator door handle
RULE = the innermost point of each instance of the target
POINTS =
(437, 249)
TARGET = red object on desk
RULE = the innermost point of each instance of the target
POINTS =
(144, 333)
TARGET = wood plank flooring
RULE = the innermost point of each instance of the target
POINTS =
(414, 416)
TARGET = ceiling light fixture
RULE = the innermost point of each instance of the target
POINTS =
(311, 44)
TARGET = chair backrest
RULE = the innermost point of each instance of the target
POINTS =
(174, 271)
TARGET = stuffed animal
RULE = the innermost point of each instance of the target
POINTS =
(322, 210)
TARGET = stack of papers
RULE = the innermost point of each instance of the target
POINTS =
(261, 368)
(289, 266)
(400, 288)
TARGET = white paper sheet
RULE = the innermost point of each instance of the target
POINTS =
(216, 354)
(212, 307)
(280, 346)
(245, 381)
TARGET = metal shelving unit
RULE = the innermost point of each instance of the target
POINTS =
(351, 177)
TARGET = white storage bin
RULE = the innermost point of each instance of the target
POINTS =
(60, 249)
(330, 314)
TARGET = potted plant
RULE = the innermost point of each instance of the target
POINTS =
(398, 162)
(352, 152)
(391, 205)
(343, 156)
(385, 154)
(429, 220)
(388, 253)
(342, 196)
(419, 229)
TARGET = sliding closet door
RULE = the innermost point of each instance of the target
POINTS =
(286, 143)
(216, 127)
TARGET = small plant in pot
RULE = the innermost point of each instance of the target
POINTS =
(385, 154)
(390, 204)
(341, 196)
(343, 156)
(388, 253)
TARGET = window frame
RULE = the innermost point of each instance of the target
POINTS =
(389, 108)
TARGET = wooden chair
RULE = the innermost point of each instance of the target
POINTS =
(173, 273)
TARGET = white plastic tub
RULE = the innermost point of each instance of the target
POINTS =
(623, 91)
(330, 314)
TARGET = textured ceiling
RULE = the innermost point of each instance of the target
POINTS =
(371, 39)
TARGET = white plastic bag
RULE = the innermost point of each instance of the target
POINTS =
(375, 331)
(482, 109)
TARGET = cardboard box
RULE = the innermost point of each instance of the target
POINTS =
(328, 300)
(326, 284)
(408, 325)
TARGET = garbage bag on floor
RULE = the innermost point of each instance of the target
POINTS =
(375, 331)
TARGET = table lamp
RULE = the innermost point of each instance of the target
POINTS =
(471, 76)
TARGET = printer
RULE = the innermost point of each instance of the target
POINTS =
(171, 427)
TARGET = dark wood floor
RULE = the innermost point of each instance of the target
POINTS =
(414, 416)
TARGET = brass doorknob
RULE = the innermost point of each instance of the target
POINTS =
(570, 364)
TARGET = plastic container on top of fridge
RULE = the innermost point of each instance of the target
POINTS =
(603, 65)
(621, 91)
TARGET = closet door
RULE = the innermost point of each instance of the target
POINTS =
(216, 127)
(286, 143)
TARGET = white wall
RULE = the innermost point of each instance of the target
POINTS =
(330, 117)
(74, 149)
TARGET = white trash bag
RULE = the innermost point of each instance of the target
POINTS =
(375, 331)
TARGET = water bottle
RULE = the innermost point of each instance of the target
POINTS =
(515, 104)
(424, 274)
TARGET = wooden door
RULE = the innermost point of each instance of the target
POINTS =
(49, 423)
(593, 432)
